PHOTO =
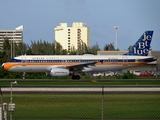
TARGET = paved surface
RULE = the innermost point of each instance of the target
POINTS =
(83, 89)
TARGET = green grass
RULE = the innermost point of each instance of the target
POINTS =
(81, 82)
(84, 106)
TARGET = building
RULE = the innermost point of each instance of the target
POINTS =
(14, 36)
(72, 37)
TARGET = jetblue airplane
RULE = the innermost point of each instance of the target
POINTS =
(64, 65)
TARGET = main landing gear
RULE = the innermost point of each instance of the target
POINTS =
(75, 77)
(24, 75)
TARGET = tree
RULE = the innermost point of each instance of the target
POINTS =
(41, 48)
(64, 52)
(3, 57)
(21, 49)
(109, 47)
(83, 48)
(73, 51)
(94, 49)
(29, 51)
(57, 48)
(130, 47)
(6, 48)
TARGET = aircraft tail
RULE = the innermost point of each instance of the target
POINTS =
(142, 46)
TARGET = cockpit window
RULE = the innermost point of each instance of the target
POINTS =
(13, 60)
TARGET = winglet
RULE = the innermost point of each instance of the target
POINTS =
(142, 46)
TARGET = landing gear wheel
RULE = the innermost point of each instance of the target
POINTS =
(75, 77)
(24, 75)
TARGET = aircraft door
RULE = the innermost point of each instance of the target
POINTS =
(62, 61)
(66, 60)
(23, 60)
(125, 61)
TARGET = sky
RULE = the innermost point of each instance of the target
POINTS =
(40, 17)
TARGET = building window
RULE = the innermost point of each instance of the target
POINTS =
(79, 30)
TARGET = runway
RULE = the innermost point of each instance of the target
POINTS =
(82, 89)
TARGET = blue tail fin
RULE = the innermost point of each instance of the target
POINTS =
(142, 46)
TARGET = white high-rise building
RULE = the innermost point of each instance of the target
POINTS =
(14, 36)
(73, 36)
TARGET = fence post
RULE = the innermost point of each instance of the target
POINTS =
(1, 105)
(102, 102)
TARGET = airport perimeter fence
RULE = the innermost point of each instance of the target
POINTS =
(81, 105)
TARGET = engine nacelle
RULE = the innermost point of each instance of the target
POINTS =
(59, 72)
(87, 69)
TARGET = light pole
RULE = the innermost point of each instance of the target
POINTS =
(11, 105)
(55, 46)
(11, 48)
(14, 44)
(116, 27)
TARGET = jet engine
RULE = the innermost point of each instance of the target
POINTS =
(59, 72)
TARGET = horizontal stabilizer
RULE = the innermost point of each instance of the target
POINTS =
(147, 59)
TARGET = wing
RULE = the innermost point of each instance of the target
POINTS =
(76, 67)
(80, 66)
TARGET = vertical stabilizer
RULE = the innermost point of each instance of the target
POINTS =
(142, 46)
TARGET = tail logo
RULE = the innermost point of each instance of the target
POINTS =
(143, 45)
(146, 37)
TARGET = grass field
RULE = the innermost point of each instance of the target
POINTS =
(84, 106)
(39, 82)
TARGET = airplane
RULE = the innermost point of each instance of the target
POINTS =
(65, 65)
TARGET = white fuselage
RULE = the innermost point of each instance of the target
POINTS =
(44, 63)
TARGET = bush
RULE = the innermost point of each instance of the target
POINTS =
(128, 75)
